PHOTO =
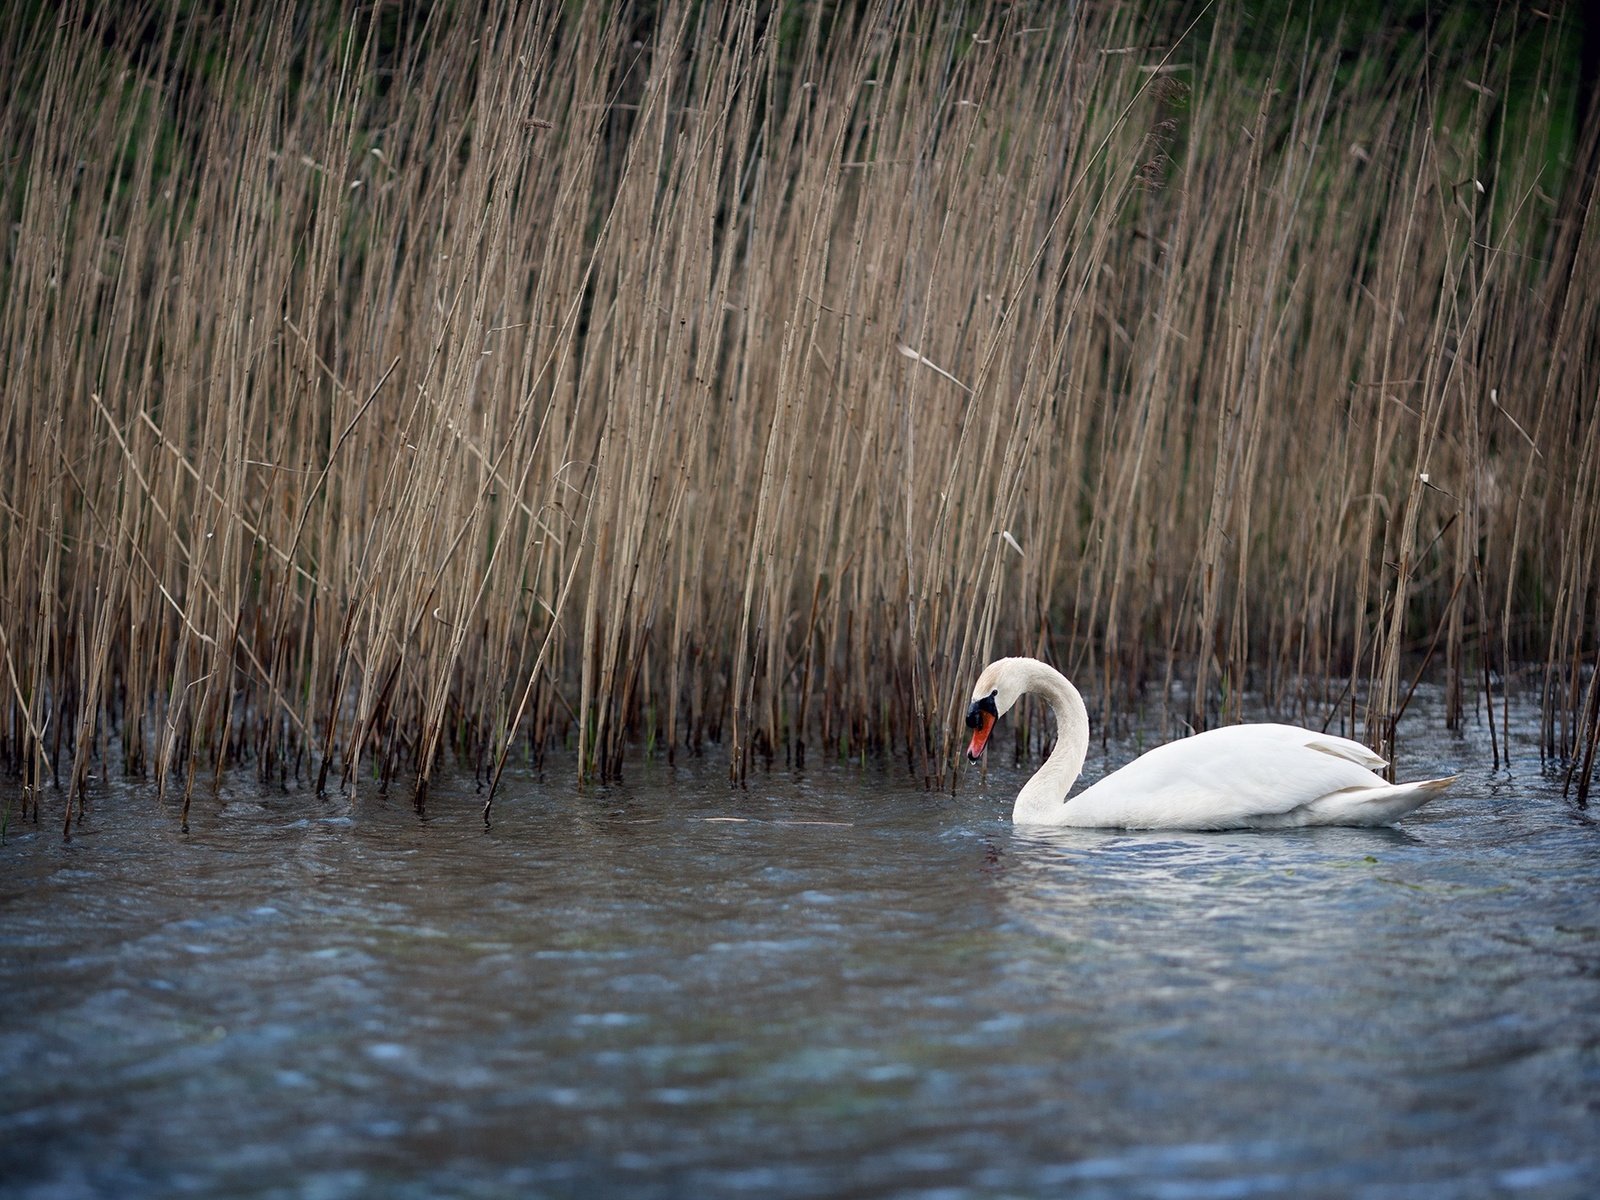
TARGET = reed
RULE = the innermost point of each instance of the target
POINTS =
(388, 384)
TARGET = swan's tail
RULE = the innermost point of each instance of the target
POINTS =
(1378, 805)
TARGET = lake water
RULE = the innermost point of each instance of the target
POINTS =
(831, 984)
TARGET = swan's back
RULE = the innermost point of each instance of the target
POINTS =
(1249, 776)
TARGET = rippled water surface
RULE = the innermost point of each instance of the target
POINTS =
(832, 984)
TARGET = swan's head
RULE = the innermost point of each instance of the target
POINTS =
(993, 695)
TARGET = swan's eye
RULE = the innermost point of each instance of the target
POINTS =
(979, 707)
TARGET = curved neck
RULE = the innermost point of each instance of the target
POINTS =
(1043, 798)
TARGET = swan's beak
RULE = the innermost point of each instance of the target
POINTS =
(981, 717)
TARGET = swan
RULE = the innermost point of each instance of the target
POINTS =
(1238, 777)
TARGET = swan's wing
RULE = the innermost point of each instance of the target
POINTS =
(1328, 743)
(1227, 777)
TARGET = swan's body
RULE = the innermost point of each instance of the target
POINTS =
(1240, 777)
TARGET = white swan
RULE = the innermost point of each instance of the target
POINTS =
(1240, 777)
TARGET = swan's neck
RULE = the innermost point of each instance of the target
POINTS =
(1043, 798)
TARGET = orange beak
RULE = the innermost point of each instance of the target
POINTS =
(980, 738)
(981, 717)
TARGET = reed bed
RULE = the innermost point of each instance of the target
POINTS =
(390, 384)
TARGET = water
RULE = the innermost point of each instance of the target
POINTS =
(833, 984)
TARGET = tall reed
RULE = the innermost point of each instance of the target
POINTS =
(386, 384)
